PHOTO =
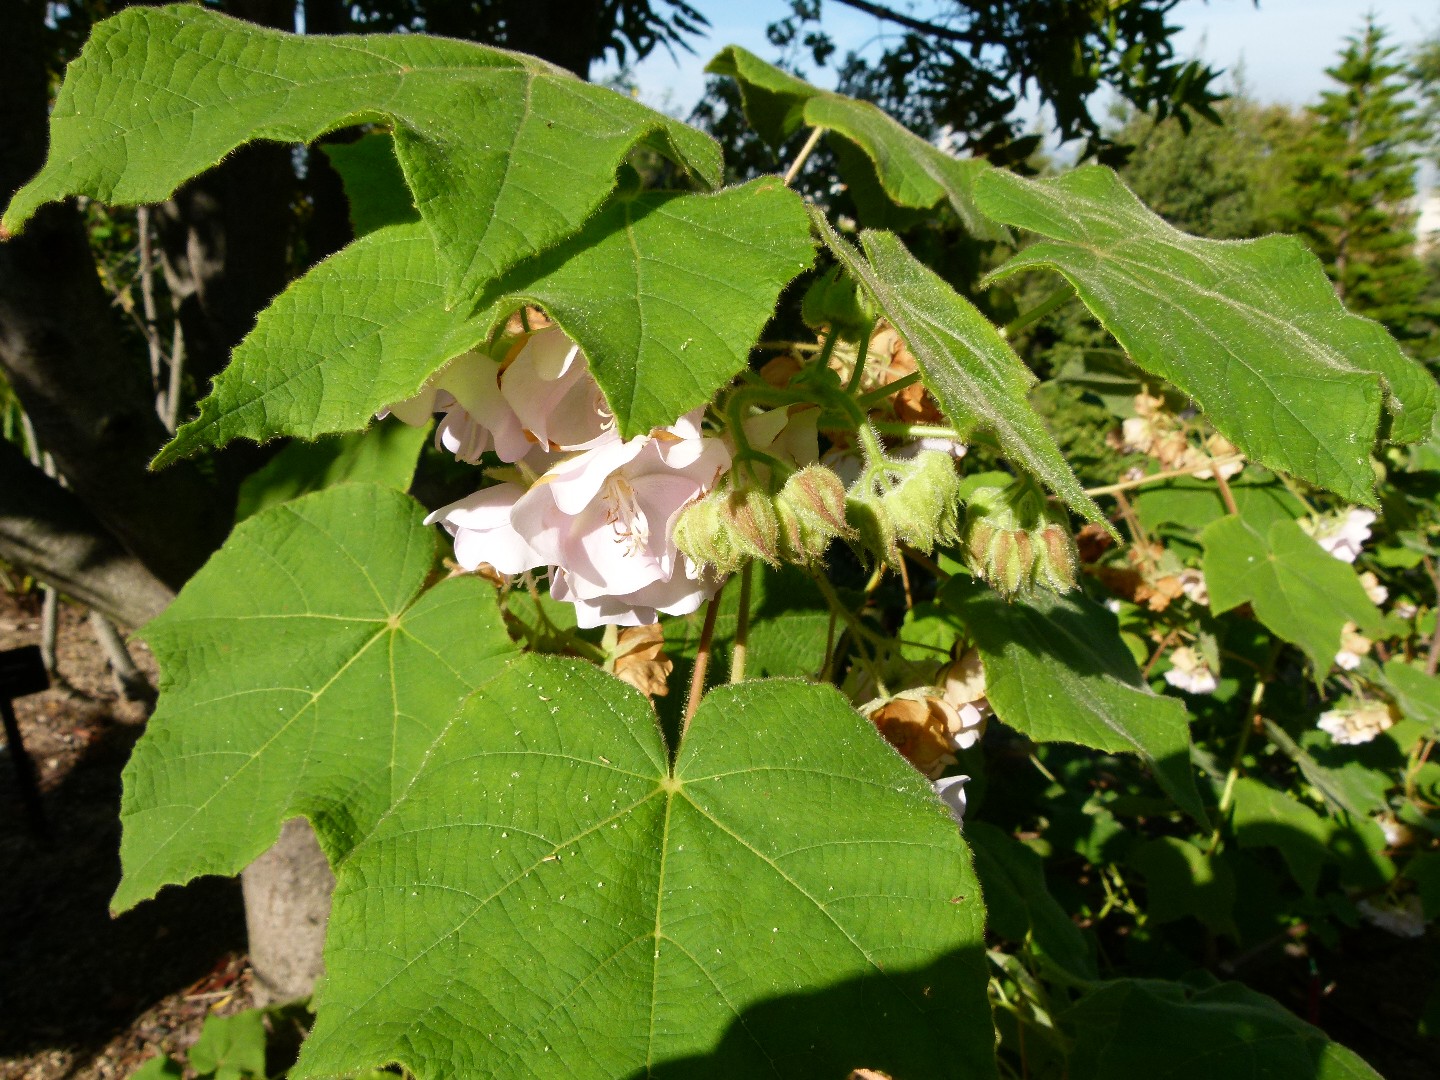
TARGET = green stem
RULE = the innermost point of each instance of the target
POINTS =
(862, 358)
(1227, 794)
(916, 431)
(1058, 299)
(742, 628)
(874, 397)
(858, 630)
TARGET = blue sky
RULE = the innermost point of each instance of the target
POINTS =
(1284, 46)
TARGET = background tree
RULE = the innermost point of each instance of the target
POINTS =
(1355, 191)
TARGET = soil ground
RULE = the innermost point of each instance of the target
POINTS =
(84, 995)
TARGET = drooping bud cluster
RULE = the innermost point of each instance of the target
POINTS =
(1016, 541)
(913, 502)
(734, 524)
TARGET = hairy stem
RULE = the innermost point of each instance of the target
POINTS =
(742, 628)
(702, 663)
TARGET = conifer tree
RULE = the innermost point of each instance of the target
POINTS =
(1354, 203)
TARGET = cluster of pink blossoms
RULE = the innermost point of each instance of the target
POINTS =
(596, 510)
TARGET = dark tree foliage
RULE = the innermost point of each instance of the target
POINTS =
(958, 70)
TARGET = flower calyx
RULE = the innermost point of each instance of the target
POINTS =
(914, 502)
(1016, 541)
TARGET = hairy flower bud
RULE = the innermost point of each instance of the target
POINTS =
(1055, 558)
(702, 535)
(834, 300)
(1016, 541)
(925, 505)
(728, 528)
(811, 512)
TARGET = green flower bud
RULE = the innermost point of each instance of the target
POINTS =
(925, 504)
(749, 514)
(701, 532)
(1015, 540)
(811, 511)
(870, 524)
(1056, 560)
(834, 300)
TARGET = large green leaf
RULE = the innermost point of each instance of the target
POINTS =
(973, 373)
(1417, 693)
(550, 898)
(1252, 330)
(1193, 504)
(1297, 589)
(1057, 670)
(1018, 902)
(505, 154)
(362, 330)
(303, 672)
(1265, 817)
(1181, 880)
(1169, 1031)
(374, 183)
(665, 292)
(911, 171)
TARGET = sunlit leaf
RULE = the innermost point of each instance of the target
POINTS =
(591, 913)
(665, 292)
(1296, 588)
(304, 671)
(505, 154)
(1252, 330)
(1057, 670)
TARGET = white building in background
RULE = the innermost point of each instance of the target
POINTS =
(1427, 227)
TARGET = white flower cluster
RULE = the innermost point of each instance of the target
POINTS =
(1189, 671)
(598, 511)
(1343, 535)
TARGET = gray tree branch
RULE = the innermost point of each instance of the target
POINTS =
(48, 533)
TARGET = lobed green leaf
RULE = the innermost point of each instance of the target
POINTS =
(1296, 588)
(589, 912)
(304, 672)
(1057, 670)
(665, 292)
(1251, 329)
(1146, 1027)
(505, 154)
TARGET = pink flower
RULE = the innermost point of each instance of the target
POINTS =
(484, 533)
(605, 520)
(951, 790)
(541, 398)
(1342, 536)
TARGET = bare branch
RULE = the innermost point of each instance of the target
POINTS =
(46, 532)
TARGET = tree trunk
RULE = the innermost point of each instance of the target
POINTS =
(287, 905)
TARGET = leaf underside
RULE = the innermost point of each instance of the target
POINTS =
(966, 364)
(911, 172)
(1252, 330)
